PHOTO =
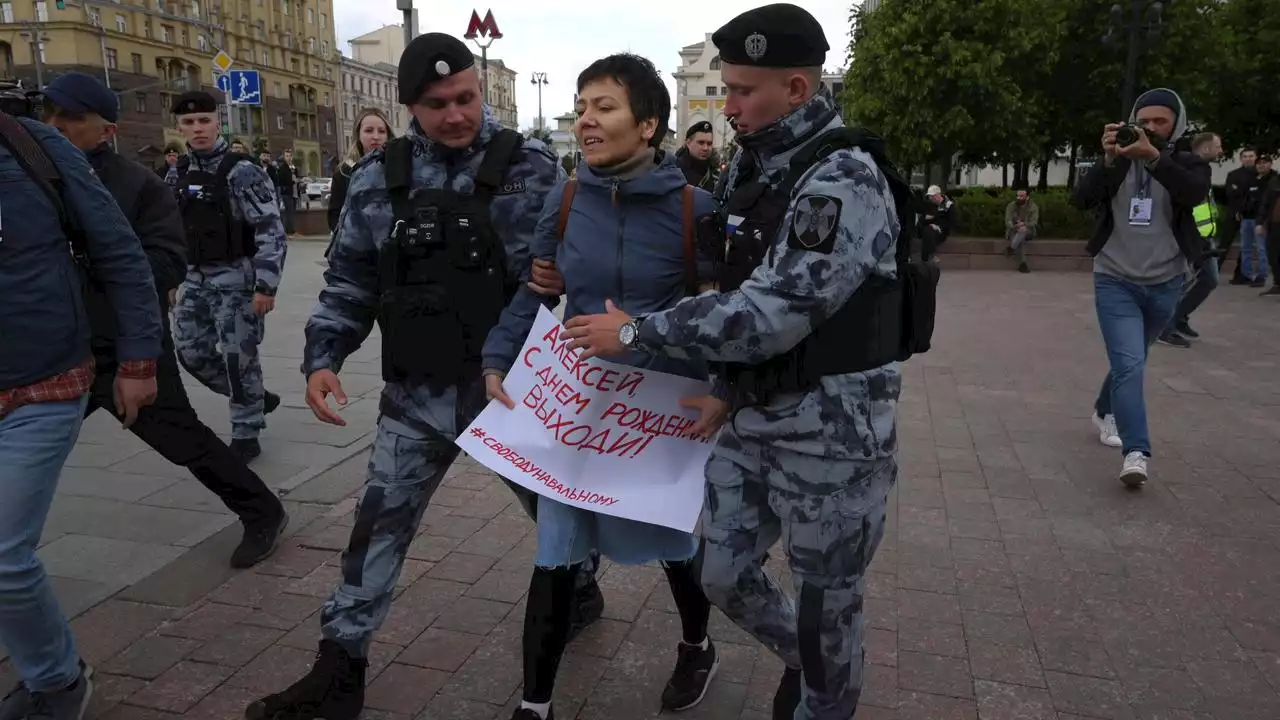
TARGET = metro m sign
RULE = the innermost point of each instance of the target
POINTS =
(487, 28)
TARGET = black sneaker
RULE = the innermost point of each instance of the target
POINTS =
(17, 704)
(588, 606)
(527, 714)
(1173, 339)
(333, 690)
(246, 448)
(1184, 329)
(689, 681)
(1259, 283)
(259, 542)
(270, 401)
(1022, 268)
(68, 704)
(787, 697)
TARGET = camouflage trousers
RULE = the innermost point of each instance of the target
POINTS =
(216, 335)
(409, 460)
(829, 515)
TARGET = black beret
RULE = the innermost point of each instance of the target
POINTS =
(698, 127)
(429, 58)
(196, 101)
(778, 36)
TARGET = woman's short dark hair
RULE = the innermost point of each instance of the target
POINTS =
(646, 92)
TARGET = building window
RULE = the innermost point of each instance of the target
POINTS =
(203, 43)
(324, 20)
(122, 23)
(837, 88)
(715, 63)
(42, 11)
(295, 66)
(712, 90)
(195, 9)
(275, 88)
(166, 34)
(328, 127)
(136, 59)
(311, 16)
(328, 74)
(279, 121)
(166, 102)
(111, 59)
(285, 3)
(724, 90)
(324, 48)
(326, 99)
(140, 102)
(315, 71)
(266, 58)
(6, 12)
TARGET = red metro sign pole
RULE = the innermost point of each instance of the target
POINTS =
(487, 29)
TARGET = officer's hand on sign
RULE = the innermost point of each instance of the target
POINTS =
(320, 385)
(493, 388)
(131, 395)
(263, 304)
(597, 335)
(712, 412)
(546, 279)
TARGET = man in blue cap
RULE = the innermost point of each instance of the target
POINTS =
(85, 112)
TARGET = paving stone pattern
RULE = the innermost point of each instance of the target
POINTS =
(1018, 580)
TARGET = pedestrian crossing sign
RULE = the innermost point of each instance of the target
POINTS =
(222, 61)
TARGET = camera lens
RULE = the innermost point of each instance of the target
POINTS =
(1126, 136)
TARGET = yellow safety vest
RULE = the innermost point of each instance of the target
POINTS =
(1206, 216)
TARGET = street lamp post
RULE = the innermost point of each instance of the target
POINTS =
(406, 6)
(1142, 26)
(540, 79)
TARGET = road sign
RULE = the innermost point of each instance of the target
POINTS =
(222, 81)
(243, 87)
(486, 28)
(222, 61)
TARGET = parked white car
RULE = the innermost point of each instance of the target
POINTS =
(319, 188)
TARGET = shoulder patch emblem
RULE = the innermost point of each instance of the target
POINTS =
(815, 223)
(513, 187)
(263, 193)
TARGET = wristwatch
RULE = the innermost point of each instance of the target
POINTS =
(629, 334)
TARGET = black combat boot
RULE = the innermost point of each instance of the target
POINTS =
(270, 401)
(333, 690)
(246, 448)
(588, 606)
(260, 540)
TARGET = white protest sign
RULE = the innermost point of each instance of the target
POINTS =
(596, 435)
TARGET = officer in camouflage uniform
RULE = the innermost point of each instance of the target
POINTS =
(432, 242)
(236, 249)
(809, 457)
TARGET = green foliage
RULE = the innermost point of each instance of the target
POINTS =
(980, 213)
(1009, 81)
(539, 133)
(568, 164)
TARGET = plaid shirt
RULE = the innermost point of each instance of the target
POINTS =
(70, 385)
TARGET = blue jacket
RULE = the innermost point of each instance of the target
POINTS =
(44, 325)
(629, 250)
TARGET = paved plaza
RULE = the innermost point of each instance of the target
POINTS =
(1018, 579)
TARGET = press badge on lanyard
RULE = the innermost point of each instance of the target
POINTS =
(1140, 203)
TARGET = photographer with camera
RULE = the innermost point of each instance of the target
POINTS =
(1144, 246)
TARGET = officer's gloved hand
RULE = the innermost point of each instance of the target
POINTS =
(546, 279)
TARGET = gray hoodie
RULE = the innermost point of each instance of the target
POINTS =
(1144, 254)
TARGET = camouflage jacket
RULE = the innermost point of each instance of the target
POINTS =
(349, 302)
(253, 201)
(806, 281)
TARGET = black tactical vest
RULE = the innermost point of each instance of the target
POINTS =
(883, 321)
(443, 271)
(214, 234)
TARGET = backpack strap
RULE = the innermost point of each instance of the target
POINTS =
(566, 206)
(34, 161)
(498, 156)
(397, 159)
(690, 249)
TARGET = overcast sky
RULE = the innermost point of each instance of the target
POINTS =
(562, 39)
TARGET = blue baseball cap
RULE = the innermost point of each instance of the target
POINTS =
(77, 92)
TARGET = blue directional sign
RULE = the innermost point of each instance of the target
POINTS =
(243, 87)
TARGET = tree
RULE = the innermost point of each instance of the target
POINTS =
(568, 164)
(942, 79)
(1245, 108)
(539, 133)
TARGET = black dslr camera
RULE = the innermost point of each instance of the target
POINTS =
(1126, 135)
(19, 101)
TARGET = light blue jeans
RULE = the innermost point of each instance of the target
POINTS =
(1253, 251)
(35, 441)
(1131, 317)
(568, 534)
